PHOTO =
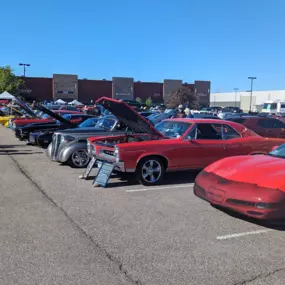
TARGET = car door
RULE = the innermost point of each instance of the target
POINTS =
(234, 143)
(203, 145)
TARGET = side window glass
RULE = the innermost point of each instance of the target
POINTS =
(264, 123)
(209, 132)
(277, 124)
(229, 133)
(271, 123)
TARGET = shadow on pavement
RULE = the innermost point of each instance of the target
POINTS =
(271, 224)
(17, 152)
(170, 179)
(12, 146)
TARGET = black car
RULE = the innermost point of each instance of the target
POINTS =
(63, 122)
(44, 138)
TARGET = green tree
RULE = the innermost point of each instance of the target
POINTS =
(9, 81)
(148, 101)
(138, 99)
(182, 96)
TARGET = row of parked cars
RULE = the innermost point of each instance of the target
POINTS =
(241, 169)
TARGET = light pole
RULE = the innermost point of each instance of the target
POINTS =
(251, 78)
(24, 65)
(236, 90)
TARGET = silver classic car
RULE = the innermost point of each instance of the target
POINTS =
(70, 145)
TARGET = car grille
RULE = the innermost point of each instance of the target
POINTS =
(240, 202)
(109, 152)
(56, 138)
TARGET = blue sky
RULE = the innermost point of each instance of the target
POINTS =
(224, 41)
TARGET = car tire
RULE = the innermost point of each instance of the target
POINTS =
(79, 159)
(150, 171)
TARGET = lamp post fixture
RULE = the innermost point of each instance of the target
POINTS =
(24, 65)
(236, 90)
(251, 78)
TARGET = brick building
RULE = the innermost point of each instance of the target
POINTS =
(69, 87)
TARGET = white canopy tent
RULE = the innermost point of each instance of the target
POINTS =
(60, 101)
(75, 102)
(6, 96)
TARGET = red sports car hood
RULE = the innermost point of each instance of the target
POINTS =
(262, 170)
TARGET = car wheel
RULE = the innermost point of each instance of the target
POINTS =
(79, 159)
(150, 171)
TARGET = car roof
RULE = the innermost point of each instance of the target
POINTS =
(198, 120)
(238, 127)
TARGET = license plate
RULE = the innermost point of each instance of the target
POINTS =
(32, 139)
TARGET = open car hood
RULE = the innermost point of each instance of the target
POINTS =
(126, 114)
(53, 114)
(26, 108)
(15, 110)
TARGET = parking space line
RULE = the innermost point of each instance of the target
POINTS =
(160, 188)
(243, 234)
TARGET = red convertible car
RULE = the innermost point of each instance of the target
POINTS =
(174, 144)
(251, 185)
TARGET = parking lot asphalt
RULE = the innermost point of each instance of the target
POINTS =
(58, 229)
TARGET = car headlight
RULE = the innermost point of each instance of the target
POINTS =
(117, 154)
(67, 139)
(266, 205)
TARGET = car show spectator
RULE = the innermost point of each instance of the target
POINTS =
(188, 113)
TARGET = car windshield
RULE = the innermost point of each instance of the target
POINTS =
(89, 123)
(278, 152)
(172, 129)
(105, 123)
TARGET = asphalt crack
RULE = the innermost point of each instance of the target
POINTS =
(111, 258)
(259, 276)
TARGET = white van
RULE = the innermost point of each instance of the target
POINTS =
(272, 107)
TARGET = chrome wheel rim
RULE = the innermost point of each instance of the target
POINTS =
(80, 158)
(151, 171)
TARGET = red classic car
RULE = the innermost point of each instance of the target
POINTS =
(251, 185)
(264, 126)
(174, 144)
